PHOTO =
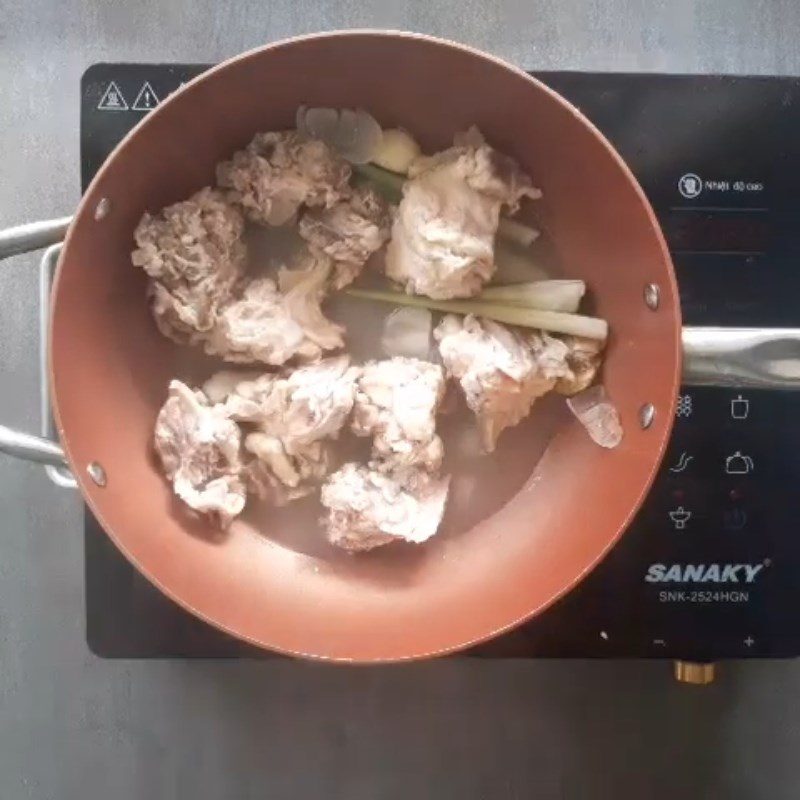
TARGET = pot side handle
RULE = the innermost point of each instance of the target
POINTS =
(33, 236)
(759, 358)
(14, 241)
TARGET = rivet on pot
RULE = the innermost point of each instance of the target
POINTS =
(652, 296)
(97, 474)
(647, 413)
(604, 636)
(102, 208)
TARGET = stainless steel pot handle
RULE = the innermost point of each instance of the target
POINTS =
(33, 236)
(760, 358)
(43, 450)
(30, 447)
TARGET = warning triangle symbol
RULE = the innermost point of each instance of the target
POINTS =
(112, 99)
(147, 99)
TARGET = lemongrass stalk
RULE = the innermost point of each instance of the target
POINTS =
(553, 321)
(552, 295)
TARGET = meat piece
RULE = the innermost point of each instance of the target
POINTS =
(194, 255)
(186, 314)
(396, 404)
(443, 235)
(256, 326)
(294, 414)
(246, 399)
(272, 326)
(198, 445)
(501, 371)
(291, 471)
(583, 359)
(261, 481)
(368, 508)
(192, 240)
(222, 384)
(278, 172)
(275, 475)
(348, 232)
(299, 406)
(304, 290)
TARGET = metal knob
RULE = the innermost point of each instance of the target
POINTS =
(692, 672)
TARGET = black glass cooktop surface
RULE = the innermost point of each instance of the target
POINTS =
(709, 568)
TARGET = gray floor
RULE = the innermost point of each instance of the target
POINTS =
(72, 726)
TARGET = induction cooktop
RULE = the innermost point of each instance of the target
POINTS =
(709, 568)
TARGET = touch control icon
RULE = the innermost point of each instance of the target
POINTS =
(684, 407)
(690, 185)
(680, 516)
(683, 461)
(740, 408)
(739, 464)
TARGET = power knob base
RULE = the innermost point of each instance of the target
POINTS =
(698, 674)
